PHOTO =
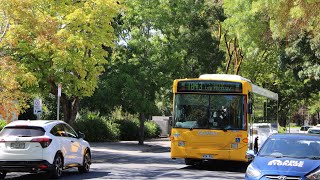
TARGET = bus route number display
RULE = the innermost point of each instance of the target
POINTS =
(209, 86)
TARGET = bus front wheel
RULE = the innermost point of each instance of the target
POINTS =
(189, 161)
(192, 162)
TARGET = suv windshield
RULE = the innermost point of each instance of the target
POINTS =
(208, 111)
(304, 128)
(291, 148)
(22, 131)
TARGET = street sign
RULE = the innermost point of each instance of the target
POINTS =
(59, 90)
(37, 106)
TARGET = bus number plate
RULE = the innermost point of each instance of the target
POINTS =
(17, 145)
(207, 156)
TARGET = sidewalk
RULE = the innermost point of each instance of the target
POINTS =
(153, 145)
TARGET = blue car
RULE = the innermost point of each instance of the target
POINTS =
(286, 157)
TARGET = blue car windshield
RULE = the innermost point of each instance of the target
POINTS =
(295, 148)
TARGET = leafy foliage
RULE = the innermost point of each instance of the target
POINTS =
(97, 128)
(61, 42)
(279, 41)
(72, 43)
(152, 130)
(129, 129)
(12, 98)
(159, 41)
(2, 124)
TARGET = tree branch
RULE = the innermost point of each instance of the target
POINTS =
(6, 27)
(229, 54)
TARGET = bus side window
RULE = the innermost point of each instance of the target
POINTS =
(250, 102)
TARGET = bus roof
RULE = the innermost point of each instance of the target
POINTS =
(231, 77)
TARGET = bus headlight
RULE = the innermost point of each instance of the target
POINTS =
(252, 172)
(181, 143)
(314, 175)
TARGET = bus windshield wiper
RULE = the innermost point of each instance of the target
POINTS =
(226, 128)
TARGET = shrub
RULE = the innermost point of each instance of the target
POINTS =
(282, 129)
(100, 129)
(97, 128)
(152, 130)
(129, 129)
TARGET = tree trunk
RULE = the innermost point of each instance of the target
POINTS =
(70, 107)
(141, 129)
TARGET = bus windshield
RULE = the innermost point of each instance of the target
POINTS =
(209, 111)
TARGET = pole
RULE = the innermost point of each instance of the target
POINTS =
(289, 118)
(58, 107)
(58, 99)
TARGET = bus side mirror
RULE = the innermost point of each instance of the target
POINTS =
(170, 120)
(249, 108)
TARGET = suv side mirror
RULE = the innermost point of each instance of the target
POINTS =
(81, 135)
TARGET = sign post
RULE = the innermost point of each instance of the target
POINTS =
(59, 95)
(37, 107)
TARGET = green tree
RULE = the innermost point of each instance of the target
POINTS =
(279, 41)
(159, 41)
(12, 97)
(139, 55)
(61, 42)
(314, 108)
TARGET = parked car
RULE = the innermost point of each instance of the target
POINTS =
(304, 129)
(286, 156)
(314, 130)
(42, 145)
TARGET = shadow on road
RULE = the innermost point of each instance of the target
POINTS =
(73, 174)
(229, 166)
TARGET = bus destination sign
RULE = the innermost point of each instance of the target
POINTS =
(209, 86)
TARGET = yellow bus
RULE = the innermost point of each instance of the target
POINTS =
(219, 117)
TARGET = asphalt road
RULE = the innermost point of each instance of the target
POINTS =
(127, 160)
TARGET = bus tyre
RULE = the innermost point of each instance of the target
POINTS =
(189, 161)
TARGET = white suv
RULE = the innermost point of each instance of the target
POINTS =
(42, 145)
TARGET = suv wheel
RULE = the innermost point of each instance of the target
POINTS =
(86, 163)
(3, 175)
(57, 166)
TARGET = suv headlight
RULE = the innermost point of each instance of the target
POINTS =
(252, 171)
(314, 175)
